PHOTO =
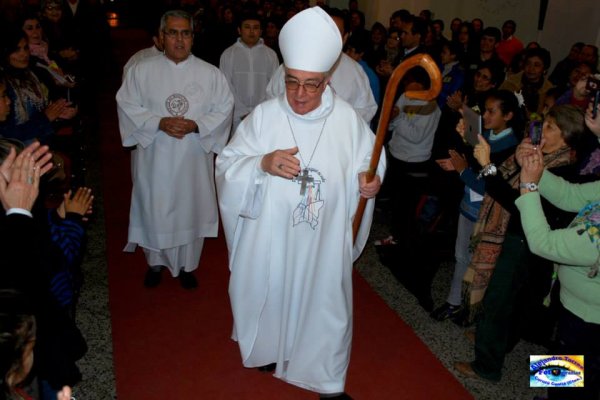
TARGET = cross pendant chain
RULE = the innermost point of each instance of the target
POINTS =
(304, 180)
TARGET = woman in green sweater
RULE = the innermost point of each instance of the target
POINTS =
(576, 251)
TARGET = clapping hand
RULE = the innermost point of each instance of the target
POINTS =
(41, 156)
(21, 189)
(80, 203)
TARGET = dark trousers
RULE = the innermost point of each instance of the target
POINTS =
(496, 331)
(577, 337)
(409, 181)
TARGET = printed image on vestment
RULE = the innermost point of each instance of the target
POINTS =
(177, 104)
(310, 205)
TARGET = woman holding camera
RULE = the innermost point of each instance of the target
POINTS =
(576, 250)
(501, 260)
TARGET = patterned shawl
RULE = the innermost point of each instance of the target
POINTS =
(489, 233)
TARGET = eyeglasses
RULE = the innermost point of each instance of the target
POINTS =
(310, 87)
(174, 33)
(52, 8)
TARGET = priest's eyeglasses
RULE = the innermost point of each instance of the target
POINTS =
(174, 33)
(310, 86)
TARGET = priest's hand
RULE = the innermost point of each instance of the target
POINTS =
(177, 127)
(368, 190)
(281, 163)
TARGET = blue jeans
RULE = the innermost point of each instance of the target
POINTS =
(463, 258)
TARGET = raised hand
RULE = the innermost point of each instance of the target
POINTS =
(281, 163)
(41, 156)
(22, 189)
(80, 202)
(481, 152)
(459, 162)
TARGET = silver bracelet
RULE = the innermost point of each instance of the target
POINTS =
(488, 170)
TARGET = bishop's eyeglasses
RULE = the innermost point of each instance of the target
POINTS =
(174, 33)
(310, 86)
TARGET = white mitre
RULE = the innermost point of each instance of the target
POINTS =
(310, 41)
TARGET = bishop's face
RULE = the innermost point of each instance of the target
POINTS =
(304, 89)
(177, 39)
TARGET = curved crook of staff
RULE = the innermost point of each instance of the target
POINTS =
(418, 60)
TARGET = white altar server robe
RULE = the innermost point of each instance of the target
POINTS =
(248, 71)
(173, 200)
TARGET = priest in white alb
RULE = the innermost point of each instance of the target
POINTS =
(289, 182)
(175, 110)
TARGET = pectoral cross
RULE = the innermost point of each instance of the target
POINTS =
(304, 179)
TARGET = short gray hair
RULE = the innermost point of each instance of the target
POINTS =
(176, 14)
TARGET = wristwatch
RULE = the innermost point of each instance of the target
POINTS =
(488, 170)
(531, 186)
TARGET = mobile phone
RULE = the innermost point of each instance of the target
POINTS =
(593, 87)
(535, 132)
(472, 125)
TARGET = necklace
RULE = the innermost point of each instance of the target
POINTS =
(304, 178)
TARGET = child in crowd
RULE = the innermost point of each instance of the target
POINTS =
(502, 122)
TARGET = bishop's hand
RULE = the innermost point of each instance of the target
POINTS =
(368, 190)
(281, 163)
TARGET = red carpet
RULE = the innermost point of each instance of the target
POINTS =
(174, 344)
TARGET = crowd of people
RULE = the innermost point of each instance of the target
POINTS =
(268, 89)
(50, 55)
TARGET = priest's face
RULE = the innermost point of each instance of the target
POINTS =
(177, 39)
(304, 89)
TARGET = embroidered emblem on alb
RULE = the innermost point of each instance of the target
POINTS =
(177, 104)
(310, 206)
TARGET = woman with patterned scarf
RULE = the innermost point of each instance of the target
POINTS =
(32, 113)
(501, 258)
(576, 251)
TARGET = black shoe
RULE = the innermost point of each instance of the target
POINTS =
(341, 396)
(187, 280)
(445, 311)
(152, 278)
(267, 368)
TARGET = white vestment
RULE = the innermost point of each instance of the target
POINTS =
(291, 255)
(173, 201)
(140, 55)
(248, 71)
(349, 81)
